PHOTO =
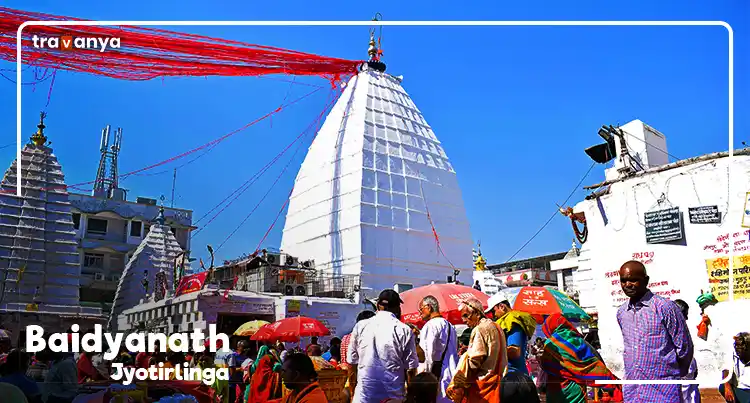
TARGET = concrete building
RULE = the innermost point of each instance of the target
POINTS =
(374, 185)
(39, 259)
(688, 222)
(108, 231)
(109, 228)
(265, 287)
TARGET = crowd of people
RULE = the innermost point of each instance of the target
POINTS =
(387, 361)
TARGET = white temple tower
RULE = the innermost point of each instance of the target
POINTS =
(153, 261)
(39, 260)
(373, 184)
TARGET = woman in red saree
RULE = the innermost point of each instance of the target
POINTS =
(265, 377)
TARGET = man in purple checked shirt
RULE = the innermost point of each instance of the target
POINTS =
(657, 342)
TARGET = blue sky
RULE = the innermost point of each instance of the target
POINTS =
(513, 106)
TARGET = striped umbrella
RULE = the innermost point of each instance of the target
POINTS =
(544, 301)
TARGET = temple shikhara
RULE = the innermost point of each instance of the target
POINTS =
(39, 258)
(376, 195)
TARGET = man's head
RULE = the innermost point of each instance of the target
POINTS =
(335, 341)
(313, 340)
(471, 311)
(683, 307)
(498, 305)
(390, 301)
(634, 279)
(16, 362)
(315, 350)
(427, 306)
(742, 344)
(365, 315)
(298, 371)
(242, 345)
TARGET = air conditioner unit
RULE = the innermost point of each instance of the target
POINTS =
(308, 264)
(99, 276)
(300, 290)
(289, 290)
(290, 261)
(273, 259)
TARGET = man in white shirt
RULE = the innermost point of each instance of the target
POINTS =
(737, 390)
(438, 339)
(382, 353)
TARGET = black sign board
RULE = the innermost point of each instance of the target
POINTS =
(663, 225)
(704, 215)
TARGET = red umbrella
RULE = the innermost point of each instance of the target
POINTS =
(291, 330)
(449, 296)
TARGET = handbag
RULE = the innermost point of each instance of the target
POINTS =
(437, 367)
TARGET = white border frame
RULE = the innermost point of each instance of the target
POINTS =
(404, 23)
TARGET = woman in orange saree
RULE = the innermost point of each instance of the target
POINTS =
(265, 377)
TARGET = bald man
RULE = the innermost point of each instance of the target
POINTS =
(656, 339)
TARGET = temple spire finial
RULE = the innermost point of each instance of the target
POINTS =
(38, 138)
(160, 219)
(374, 51)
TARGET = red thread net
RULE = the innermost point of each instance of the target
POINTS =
(147, 53)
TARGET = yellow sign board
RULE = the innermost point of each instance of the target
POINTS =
(718, 277)
(292, 306)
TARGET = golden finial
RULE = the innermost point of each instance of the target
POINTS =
(372, 51)
(39, 139)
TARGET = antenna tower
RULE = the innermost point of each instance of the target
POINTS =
(107, 174)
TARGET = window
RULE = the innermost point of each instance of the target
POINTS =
(97, 226)
(76, 220)
(93, 260)
(135, 228)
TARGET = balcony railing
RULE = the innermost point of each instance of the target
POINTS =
(292, 282)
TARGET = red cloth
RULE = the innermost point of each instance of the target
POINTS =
(142, 360)
(265, 384)
(86, 370)
(345, 349)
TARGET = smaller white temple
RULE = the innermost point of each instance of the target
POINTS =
(150, 274)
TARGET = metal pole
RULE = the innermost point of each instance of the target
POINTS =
(174, 180)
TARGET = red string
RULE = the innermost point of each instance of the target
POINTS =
(314, 124)
(147, 53)
(211, 143)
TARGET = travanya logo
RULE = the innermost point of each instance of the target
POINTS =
(78, 43)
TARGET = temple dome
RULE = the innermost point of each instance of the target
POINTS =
(362, 196)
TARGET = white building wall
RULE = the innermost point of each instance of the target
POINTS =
(361, 197)
(617, 234)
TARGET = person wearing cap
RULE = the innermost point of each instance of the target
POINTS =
(480, 370)
(382, 353)
(518, 327)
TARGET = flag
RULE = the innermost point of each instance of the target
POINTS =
(191, 283)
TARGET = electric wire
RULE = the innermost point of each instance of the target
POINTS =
(557, 211)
